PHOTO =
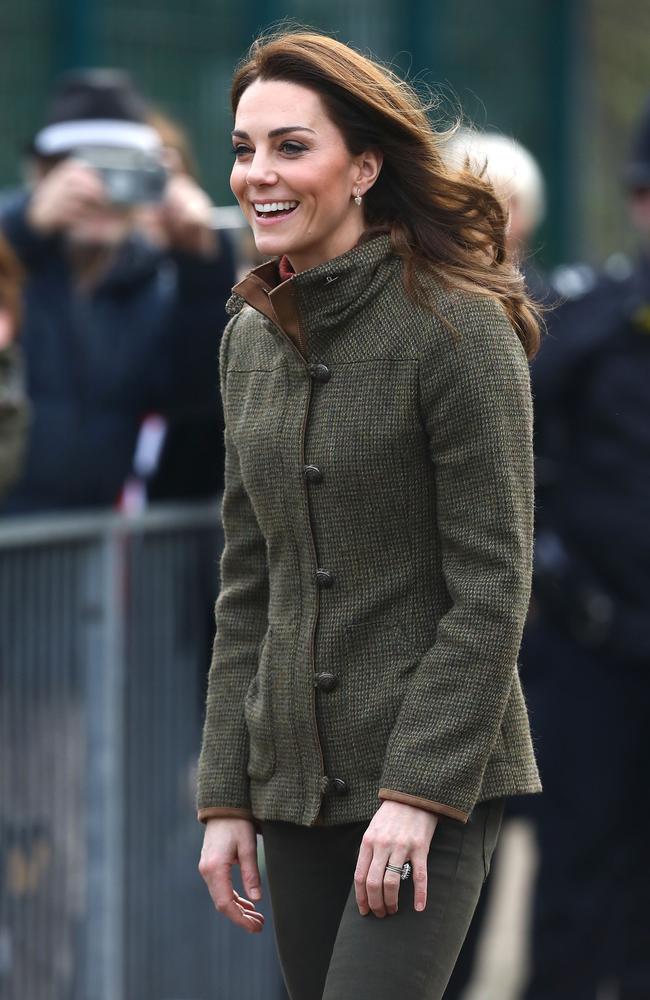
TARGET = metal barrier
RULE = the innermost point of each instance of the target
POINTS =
(105, 633)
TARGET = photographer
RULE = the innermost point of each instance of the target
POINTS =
(115, 328)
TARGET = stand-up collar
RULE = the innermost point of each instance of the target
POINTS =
(319, 298)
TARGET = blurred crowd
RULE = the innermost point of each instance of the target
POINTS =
(113, 282)
(125, 280)
(586, 649)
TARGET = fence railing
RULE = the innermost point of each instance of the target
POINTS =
(105, 632)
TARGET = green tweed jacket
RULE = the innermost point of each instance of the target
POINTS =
(378, 512)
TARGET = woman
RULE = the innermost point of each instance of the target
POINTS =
(364, 706)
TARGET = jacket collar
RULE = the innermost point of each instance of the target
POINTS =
(319, 298)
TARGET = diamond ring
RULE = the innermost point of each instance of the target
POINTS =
(403, 871)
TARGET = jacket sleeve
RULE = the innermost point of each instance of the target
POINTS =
(32, 248)
(477, 410)
(241, 615)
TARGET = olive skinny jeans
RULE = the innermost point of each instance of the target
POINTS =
(328, 951)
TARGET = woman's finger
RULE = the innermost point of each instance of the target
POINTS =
(241, 917)
(375, 881)
(249, 870)
(392, 882)
(248, 904)
(419, 863)
(360, 876)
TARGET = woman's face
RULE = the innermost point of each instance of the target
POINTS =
(294, 177)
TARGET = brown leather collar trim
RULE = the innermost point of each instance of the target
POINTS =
(263, 291)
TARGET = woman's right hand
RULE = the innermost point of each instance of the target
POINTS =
(227, 842)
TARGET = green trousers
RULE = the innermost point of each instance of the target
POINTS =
(328, 951)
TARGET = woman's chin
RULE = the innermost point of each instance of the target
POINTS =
(272, 244)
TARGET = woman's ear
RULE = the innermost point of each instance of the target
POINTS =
(369, 164)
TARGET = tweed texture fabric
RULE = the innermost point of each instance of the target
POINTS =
(394, 672)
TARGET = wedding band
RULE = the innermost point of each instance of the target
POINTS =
(402, 870)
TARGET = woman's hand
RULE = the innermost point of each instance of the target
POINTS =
(396, 833)
(227, 842)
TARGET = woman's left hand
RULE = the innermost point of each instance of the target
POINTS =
(396, 833)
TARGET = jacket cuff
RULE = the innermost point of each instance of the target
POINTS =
(420, 803)
(221, 812)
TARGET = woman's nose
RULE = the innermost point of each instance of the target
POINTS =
(260, 171)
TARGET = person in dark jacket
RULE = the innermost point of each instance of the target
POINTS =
(586, 648)
(364, 708)
(114, 327)
(13, 404)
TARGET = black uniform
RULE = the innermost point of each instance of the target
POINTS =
(586, 651)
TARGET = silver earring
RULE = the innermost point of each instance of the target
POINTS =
(357, 196)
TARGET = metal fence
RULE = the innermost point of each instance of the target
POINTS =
(105, 631)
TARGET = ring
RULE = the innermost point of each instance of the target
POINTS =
(403, 871)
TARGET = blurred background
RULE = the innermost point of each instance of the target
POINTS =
(111, 472)
(566, 78)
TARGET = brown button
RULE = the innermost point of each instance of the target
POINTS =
(326, 681)
(324, 578)
(312, 473)
(320, 373)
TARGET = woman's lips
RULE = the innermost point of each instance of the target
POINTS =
(270, 218)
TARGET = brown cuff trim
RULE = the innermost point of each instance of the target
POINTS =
(222, 812)
(420, 803)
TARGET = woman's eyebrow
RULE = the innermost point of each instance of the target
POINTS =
(276, 131)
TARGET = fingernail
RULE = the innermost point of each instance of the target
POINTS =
(256, 894)
(419, 906)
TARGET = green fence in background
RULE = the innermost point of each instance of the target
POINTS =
(509, 65)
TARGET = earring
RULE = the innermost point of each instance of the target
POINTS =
(357, 196)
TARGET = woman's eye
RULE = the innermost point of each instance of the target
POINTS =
(292, 148)
(240, 150)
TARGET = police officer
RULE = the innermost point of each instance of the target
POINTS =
(586, 650)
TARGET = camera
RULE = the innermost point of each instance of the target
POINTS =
(130, 176)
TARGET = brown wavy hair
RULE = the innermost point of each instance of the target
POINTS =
(440, 219)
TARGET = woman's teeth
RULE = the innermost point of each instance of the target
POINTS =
(263, 208)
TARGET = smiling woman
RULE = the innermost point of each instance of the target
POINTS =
(364, 709)
(305, 166)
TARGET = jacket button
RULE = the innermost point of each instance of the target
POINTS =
(312, 473)
(324, 578)
(326, 681)
(339, 786)
(320, 373)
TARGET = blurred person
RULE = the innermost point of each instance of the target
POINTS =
(187, 446)
(364, 706)
(517, 180)
(114, 327)
(586, 647)
(13, 405)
